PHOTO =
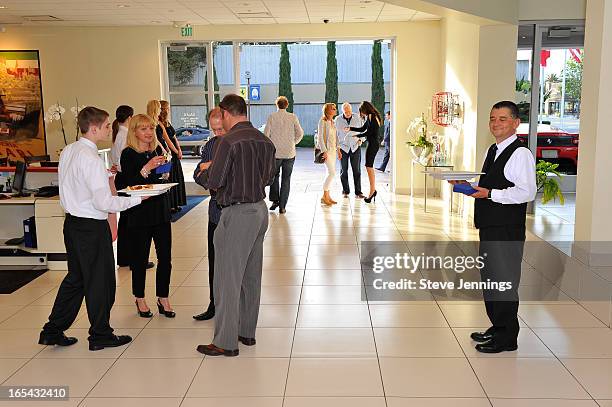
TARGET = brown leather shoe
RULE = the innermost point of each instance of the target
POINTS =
(212, 350)
(247, 341)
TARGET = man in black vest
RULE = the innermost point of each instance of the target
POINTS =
(508, 184)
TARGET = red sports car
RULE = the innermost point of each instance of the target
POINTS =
(554, 145)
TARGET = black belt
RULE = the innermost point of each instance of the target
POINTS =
(232, 204)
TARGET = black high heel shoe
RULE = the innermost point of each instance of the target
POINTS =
(143, 314)
(371, 197)
(162, 311)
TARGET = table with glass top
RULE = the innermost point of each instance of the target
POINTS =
(426, 167)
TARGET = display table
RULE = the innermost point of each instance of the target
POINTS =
(425, 168)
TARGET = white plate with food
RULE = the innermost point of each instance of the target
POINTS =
(453, 175)
(148, 189)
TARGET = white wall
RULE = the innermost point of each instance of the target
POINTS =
(552, 9)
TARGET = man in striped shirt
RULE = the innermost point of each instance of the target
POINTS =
(243, 165)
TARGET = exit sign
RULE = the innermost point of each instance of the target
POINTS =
(186, 31)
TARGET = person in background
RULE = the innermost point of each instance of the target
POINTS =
(178, 196)
(150, 221)
(386, 143)
(327, 142)
(369, 131)
(123, 115)
(350, 150)
(214, 210)
(243, 165)
(284, 129)
(86, 198)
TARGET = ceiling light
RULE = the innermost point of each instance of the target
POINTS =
(523, 36)
(156, 22)
(123, 5)
(3, 7)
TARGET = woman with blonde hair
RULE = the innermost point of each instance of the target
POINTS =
(151, 220)
(165, 132)
(327, 142)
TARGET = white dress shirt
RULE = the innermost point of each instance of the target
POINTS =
(83, 183)
(118, 146)
(346, 141)
(284, 129)
(520, 170)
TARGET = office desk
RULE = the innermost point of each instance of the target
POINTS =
(49, 219)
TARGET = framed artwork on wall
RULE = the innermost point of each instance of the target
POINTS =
(22, 130)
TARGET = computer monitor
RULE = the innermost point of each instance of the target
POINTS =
(19, 179)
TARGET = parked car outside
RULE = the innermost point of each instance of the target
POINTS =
(192, 139)
(554, 145)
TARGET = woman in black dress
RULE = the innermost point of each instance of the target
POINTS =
(369, 131)
(165, 132)
(149, 221)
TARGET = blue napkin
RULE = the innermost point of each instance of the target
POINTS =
(464, 189)
(164, 168)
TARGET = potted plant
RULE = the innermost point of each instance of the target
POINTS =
(420, 146)
(549, 186)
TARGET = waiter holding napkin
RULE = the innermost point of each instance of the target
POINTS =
(86, 197)
(500, 208)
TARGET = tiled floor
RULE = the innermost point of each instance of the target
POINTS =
(318, 343)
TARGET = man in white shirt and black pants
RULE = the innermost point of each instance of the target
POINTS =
(500, 209)
(86, 198)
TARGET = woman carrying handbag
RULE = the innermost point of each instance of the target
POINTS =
(327, 143)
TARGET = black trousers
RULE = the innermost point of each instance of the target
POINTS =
(91, 275)
(211, 259)
(355, 159)
(281, 195)
(503, 246)
(140, 242)
(123, 243)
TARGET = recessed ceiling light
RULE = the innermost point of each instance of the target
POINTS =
(123, 5)
(523, 37)
(156, 22)
(3, 7)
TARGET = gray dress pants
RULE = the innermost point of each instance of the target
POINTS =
(238, 265)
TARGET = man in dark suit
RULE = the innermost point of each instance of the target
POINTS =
(500, 208)
(387, 143)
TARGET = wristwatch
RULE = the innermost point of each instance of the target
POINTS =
(489, 194)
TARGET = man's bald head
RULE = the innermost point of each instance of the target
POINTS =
(215, 122)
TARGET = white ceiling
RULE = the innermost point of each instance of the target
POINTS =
(202, 12)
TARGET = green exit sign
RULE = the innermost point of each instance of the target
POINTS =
(186, 31)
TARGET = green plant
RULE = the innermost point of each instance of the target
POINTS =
(284, 80)
(418, 129)
(547, 185)
(523, 85)
(378, 81)
(331, 74)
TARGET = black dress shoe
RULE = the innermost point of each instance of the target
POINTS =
(282, 210)
(494, 346)
(116, 340)
(345, 194)
(212, 350)
(150, 265)
(274, 206)
(247, 341)
(481, 336)
(59, 339)
(206, 315)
